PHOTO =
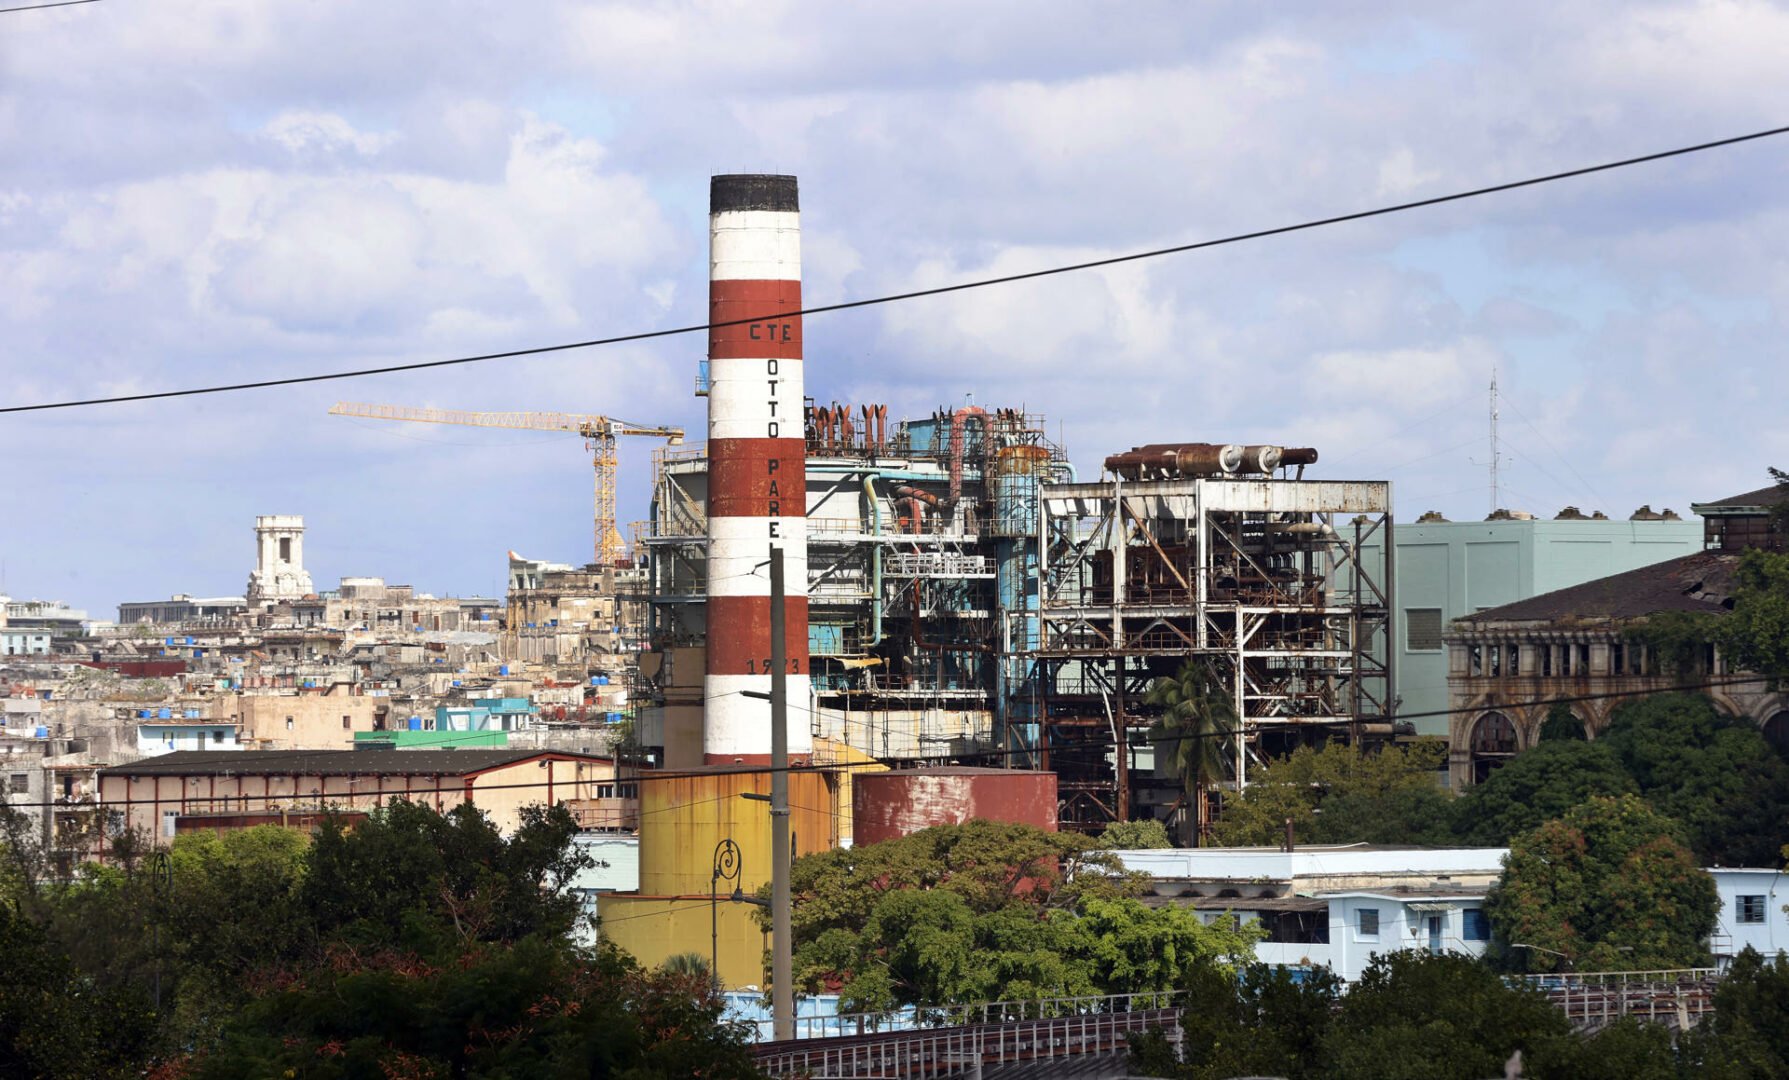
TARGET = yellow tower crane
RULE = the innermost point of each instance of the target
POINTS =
(600, 430)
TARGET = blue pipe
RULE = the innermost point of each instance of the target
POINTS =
(869, 491)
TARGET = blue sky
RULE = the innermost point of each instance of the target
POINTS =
(216, 191)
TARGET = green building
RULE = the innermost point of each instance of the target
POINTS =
(1446, 569)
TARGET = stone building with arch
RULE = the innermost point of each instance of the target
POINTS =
(1507, 665)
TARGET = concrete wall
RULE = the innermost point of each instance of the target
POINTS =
(1462, 567)
(299, 721)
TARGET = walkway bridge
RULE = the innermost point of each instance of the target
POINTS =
(1022, 1038)
(970, 1041)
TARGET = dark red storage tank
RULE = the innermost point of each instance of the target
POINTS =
(890, 804)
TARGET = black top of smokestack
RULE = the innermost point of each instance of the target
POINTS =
(752, 191)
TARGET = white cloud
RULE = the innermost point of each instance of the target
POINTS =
(306, 129)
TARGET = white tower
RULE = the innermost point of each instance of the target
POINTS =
(279, 572)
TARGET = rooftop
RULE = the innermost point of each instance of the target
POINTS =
(1762, 499)
(1697, 582)
(335, 762)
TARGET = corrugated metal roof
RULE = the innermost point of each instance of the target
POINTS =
(334, 762)
(1698, 582)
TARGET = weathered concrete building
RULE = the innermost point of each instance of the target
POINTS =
(1508, 664)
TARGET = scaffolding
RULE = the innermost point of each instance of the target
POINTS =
(1282, 585)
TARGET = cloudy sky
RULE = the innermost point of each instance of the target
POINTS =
(218, 190)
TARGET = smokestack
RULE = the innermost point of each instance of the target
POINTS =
(757, 466)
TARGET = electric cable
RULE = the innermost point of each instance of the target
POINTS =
(962, 286)
(40, 7)
(1100, 743)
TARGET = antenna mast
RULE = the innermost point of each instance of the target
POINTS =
(1495, 492)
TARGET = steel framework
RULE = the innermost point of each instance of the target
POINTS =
(1282, 585)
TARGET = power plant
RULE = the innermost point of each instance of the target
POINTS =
(969, 600)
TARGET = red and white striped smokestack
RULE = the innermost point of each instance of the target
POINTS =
(757, 466)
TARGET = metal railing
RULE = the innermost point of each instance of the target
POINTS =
(1677, 997)
(916, 1018)
(968, 1043)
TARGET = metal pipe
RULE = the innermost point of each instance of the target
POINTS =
(1298, 455)
(956, 448)
(869, 492)
(1261, 459)
(1166, 460)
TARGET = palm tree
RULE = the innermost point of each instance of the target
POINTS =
(1192, 735)
(691, 963)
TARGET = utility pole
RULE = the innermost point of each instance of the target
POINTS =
(782, 992)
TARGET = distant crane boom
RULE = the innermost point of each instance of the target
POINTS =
(600, 430)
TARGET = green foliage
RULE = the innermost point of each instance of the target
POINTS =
(987, 911)
(1265, 1021)
(1754, 636)
(527, 1009)
(1609, 885)
(1392, 795)
(1715, 774)
(1134, 836)
(1539, 786)
(1562, 725)
(1416, 1016)
(56, 1024)
(416, 944)
(1192, 734)
(408, 866)
(1411, 1016)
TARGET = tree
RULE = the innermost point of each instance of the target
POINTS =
(1385, 797)
(1748, 1035)
(408, 865)
(1261, 1021)
(987, 911)
(1716, 775)
(56, 1024)
(1539, 786)
(1134, 836)
(1416, 1016)
(1192, 735)
(535, 1007)
(1610, 886)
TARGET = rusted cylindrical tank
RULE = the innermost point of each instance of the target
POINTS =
(1013, 477)
(892, 804)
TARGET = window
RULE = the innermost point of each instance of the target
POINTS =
(1422, 629)
(217, 737)
(19, 783)
(285, 549)
(345, 723)
(1749, 909)
(605, 791)
(1475, 927)
(288, 723)
(1366, 923)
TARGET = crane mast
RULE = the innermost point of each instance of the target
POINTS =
(601, 431)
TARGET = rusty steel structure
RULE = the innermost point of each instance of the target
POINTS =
(920, 535)
(1281, 584)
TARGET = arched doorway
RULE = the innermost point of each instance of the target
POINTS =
(1776, 732)
(1493, 742)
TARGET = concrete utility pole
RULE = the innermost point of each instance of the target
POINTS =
(782, 990)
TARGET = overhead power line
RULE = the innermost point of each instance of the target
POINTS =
(979, 283)
(39, 7)
(1100, 743)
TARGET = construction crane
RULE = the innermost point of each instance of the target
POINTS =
(602, 432)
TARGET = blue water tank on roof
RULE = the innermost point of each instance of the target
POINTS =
(164, 714)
